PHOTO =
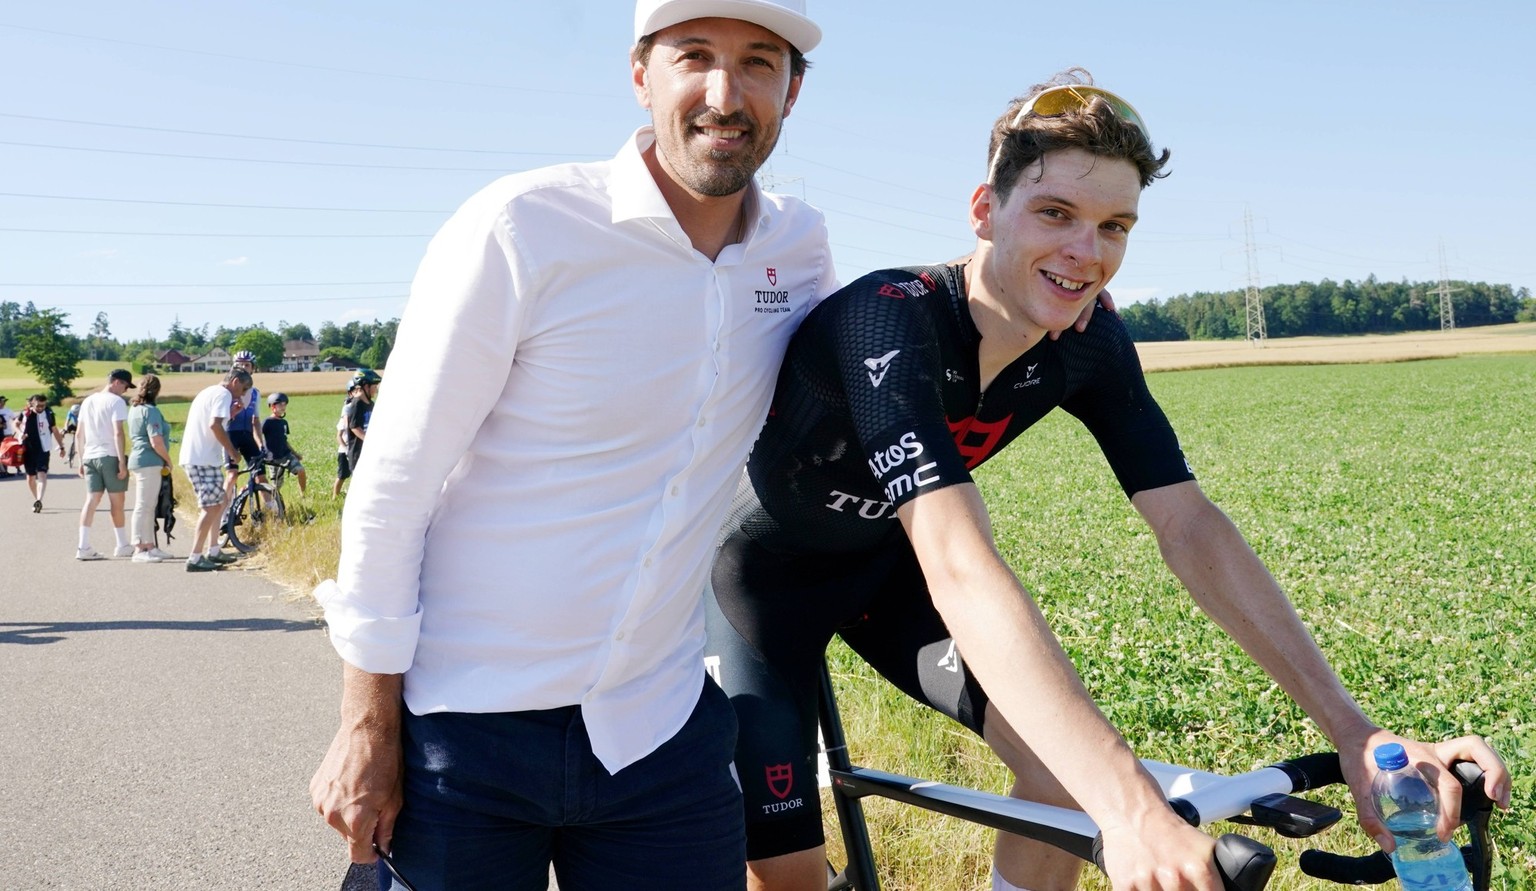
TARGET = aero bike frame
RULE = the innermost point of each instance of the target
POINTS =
(1261, 797)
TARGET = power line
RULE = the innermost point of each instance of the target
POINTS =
(409, 148)
(114, 151)
(213, 234)
(210, 204)
(243, 302)
(389, 74)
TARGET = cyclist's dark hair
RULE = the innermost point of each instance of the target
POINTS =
(1096, 129)
(642, 54)
(149, 390)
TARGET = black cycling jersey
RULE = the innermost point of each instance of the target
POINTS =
(879, 401)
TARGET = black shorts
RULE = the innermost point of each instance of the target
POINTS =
(244, 442)
(770, 617)
(343, 466)
(35, 460)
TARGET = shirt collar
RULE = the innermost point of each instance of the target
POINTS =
(635, 194)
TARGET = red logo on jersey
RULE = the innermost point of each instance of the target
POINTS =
(779, 777)
(977, 440)
(892, 291)
(773, 275)
(928, 280)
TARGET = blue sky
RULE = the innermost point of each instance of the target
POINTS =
(243, 162)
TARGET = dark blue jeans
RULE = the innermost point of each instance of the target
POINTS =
(492, 800)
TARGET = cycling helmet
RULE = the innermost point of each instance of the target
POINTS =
(363, 376)
(275, 398)
(245, 356)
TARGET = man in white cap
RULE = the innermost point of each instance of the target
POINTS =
(519, 597)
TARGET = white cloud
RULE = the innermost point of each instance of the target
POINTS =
(237, 261)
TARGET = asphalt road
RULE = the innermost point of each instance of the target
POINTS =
(158, 728)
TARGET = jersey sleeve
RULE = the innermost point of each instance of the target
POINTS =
(1112, 400)
(887, 358)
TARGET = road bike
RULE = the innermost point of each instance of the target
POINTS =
(257, 508)
(1263, 797)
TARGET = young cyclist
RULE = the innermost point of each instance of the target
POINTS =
(859, 518)
(365, 383)
(343, 467)
(274, 430)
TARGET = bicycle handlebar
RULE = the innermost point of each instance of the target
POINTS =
(1243, 863)
(1376, 868)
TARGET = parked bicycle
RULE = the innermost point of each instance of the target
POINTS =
(257, 508)
(1263, 797)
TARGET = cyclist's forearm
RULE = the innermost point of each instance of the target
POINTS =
(1232, 585)
(1016, 658)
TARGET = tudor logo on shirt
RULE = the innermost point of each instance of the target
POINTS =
(779, 778)
(773, 276)
(879, 366)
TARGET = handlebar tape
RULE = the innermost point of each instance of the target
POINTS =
(1372, 869)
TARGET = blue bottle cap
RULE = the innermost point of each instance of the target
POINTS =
(1390, 756)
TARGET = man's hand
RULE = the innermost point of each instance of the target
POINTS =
(359, 786)
(1161, 854)
(122, 469)
(1083, 317)
(1434, 761)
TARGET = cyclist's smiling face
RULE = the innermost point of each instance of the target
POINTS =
(1057, 241)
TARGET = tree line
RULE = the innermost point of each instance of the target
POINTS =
(1327, 308)
(41, 339)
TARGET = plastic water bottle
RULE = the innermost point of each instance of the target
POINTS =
(1407, 804)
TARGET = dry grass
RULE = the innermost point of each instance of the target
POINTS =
(1182, 354)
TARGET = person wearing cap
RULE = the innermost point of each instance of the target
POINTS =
(525, 563)
(861, 519)
(102, 438)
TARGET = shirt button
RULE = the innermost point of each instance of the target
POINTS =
(619, 636)
(701, 422)
(647, 561)
(674, 490)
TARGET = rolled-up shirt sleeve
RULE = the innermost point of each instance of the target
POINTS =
(447, 371)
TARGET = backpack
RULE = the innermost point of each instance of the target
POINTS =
(165, 508)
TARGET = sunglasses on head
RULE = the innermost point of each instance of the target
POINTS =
(1056, 101)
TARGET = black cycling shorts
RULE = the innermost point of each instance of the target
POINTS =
(244, 442)
(770, 617)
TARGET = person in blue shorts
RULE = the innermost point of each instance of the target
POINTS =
(858, 517)
(274, 431)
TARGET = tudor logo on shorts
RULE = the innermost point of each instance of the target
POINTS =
(779, 777)
(878, 367)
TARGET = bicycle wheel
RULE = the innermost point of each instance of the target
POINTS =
(245, 522)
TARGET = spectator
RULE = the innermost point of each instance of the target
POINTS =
(7, 429)
(205, 448)
(103, 442)
(149, 461)
(365, 383)
(274, 431)
(343, 466)
(525, 559)
(39, 436)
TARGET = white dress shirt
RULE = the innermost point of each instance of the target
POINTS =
(563, 422)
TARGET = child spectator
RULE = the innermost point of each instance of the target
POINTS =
(274, 431)
(343, 466)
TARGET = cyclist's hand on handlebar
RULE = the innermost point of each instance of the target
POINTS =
(358, 788)
(1434, 761)
(1165, 854)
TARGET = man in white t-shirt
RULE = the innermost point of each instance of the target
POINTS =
(103, 440)
(206, 452)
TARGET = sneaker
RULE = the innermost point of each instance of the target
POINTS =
(145, 557)
(201, 564)
(220, 558)
(37, 506)
(161, 554)
(124, 551)
(89, 554)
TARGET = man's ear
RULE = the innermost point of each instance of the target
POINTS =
(640, 82)
(794, 93)
(983, 206)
